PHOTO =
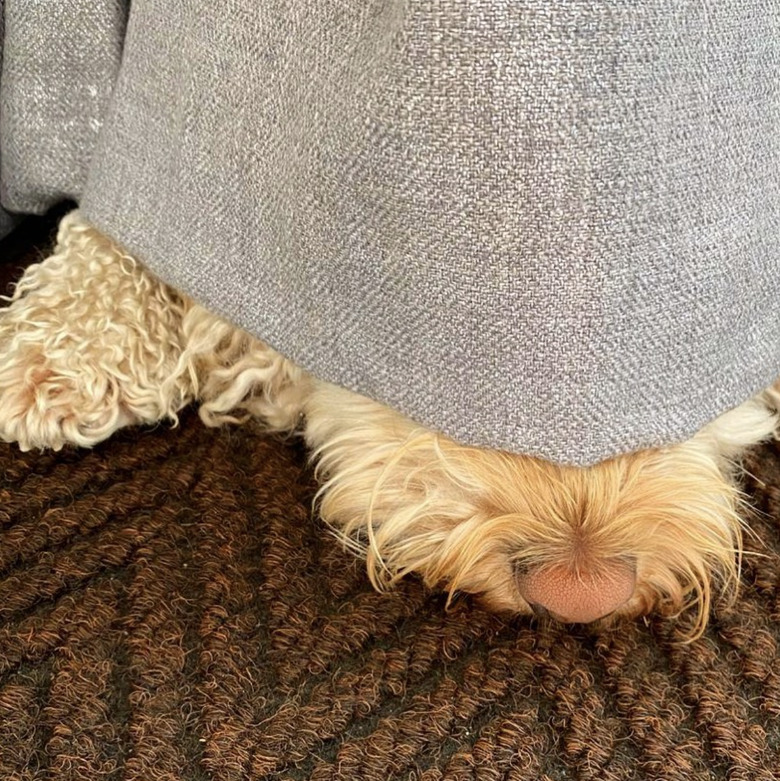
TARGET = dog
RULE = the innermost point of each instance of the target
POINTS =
(91, 341)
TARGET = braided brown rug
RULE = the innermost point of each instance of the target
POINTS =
(169, 609)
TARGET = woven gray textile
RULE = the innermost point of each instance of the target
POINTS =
(550, 227)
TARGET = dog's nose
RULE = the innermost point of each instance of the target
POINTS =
(577, 597)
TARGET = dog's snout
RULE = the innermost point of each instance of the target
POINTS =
(577, 597)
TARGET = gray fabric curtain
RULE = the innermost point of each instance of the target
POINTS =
(550, 227)
(59, 64)
(7, 221)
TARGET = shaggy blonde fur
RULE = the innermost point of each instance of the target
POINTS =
(92, 341)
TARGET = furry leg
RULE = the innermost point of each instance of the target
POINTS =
(92, 342)
(88, 345)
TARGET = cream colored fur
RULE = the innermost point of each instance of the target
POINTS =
(92, 341)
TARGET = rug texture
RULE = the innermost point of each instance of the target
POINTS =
(171, 609)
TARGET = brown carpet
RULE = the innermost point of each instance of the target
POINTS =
(169, 609)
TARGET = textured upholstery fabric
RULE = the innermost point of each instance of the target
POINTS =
(550, 227)
(59, 64)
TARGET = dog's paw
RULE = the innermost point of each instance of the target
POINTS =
(87, 345)
(43, 405)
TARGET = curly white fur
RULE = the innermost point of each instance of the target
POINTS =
(92, 341)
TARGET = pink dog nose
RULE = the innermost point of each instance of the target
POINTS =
(574, 597)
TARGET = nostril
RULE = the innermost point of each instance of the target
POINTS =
(576, 596)
(539, 610)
